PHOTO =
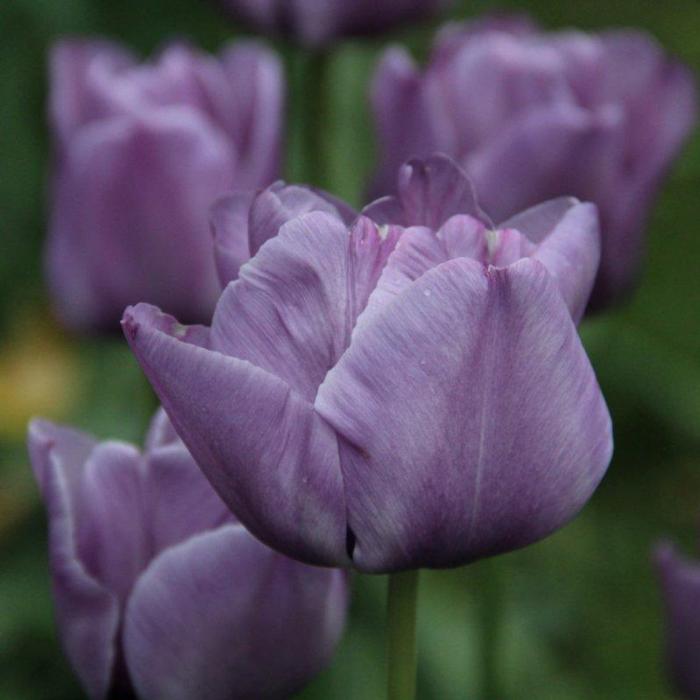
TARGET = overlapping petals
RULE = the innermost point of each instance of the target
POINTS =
(141, 152)
(159, 590)
(395, 397)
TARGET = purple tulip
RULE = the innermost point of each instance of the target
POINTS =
(391, 397)
(159, 591)
(532, 116)
(680, 586)
(318, 22)
(141, 152)
(243, 221)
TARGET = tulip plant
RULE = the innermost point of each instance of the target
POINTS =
(379, 389)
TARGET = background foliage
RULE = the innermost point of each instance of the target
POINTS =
(581, 610)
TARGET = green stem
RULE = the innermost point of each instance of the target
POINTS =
(401, 635)
(315, 116)
(489, 612)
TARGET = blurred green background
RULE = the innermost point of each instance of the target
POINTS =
(580, 614)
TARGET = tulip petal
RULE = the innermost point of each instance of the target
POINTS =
(257, 87)
(574, 150)
(141, 188)
(222, 617)
(181, 501)
(268, 455)
(294, 305)
(430, 192)
(112, 538)
(401, 116)
(72, 65)
(568, 235)
(280, 203)
(474, 394)
(680, 585)
(228, 218)
(160, 432)
(87, 613)
(571, 254)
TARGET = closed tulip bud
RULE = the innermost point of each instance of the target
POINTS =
(532, 116)
(159, 591)
(141, 152)
(318, 22)
(395, 397)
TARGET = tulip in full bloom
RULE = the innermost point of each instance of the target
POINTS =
(680, 586)
(532, 116)
(159, 591)
(141, 152)
(318, 22)
(241, 222)
(390, 397)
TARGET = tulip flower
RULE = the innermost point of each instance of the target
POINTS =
(318, 22)
(141, 152)
(393, 398)
(680, 586)
(531, 116)
(158, 590)
(241, 222)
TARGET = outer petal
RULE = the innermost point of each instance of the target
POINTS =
(222, 617)
(569, 246)
(181, 502)
(680, 586)
(87, 615)
(129, 218)
(574, 151)
(160, 432)
(293, 308)
(71, 63)
(112, 537)
(270, 457)
(280, 203)
(401, 115)
(258, 93)
(228, 218)
(473, 422)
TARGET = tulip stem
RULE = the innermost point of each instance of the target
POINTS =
(489, 612)
(315, 120)
(401, 635)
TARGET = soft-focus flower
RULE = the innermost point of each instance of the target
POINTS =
(241, 222)
(532, 116)
(141, 152)
(317, 22)
(395, 398)
(159, 590)
(680, 587)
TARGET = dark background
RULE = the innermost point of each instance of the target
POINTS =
(579, 615)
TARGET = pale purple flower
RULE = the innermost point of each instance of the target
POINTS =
(158, 590)
(141, 152)
(531, 116)
(680, 586)
(391, 397)
(318, 22)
